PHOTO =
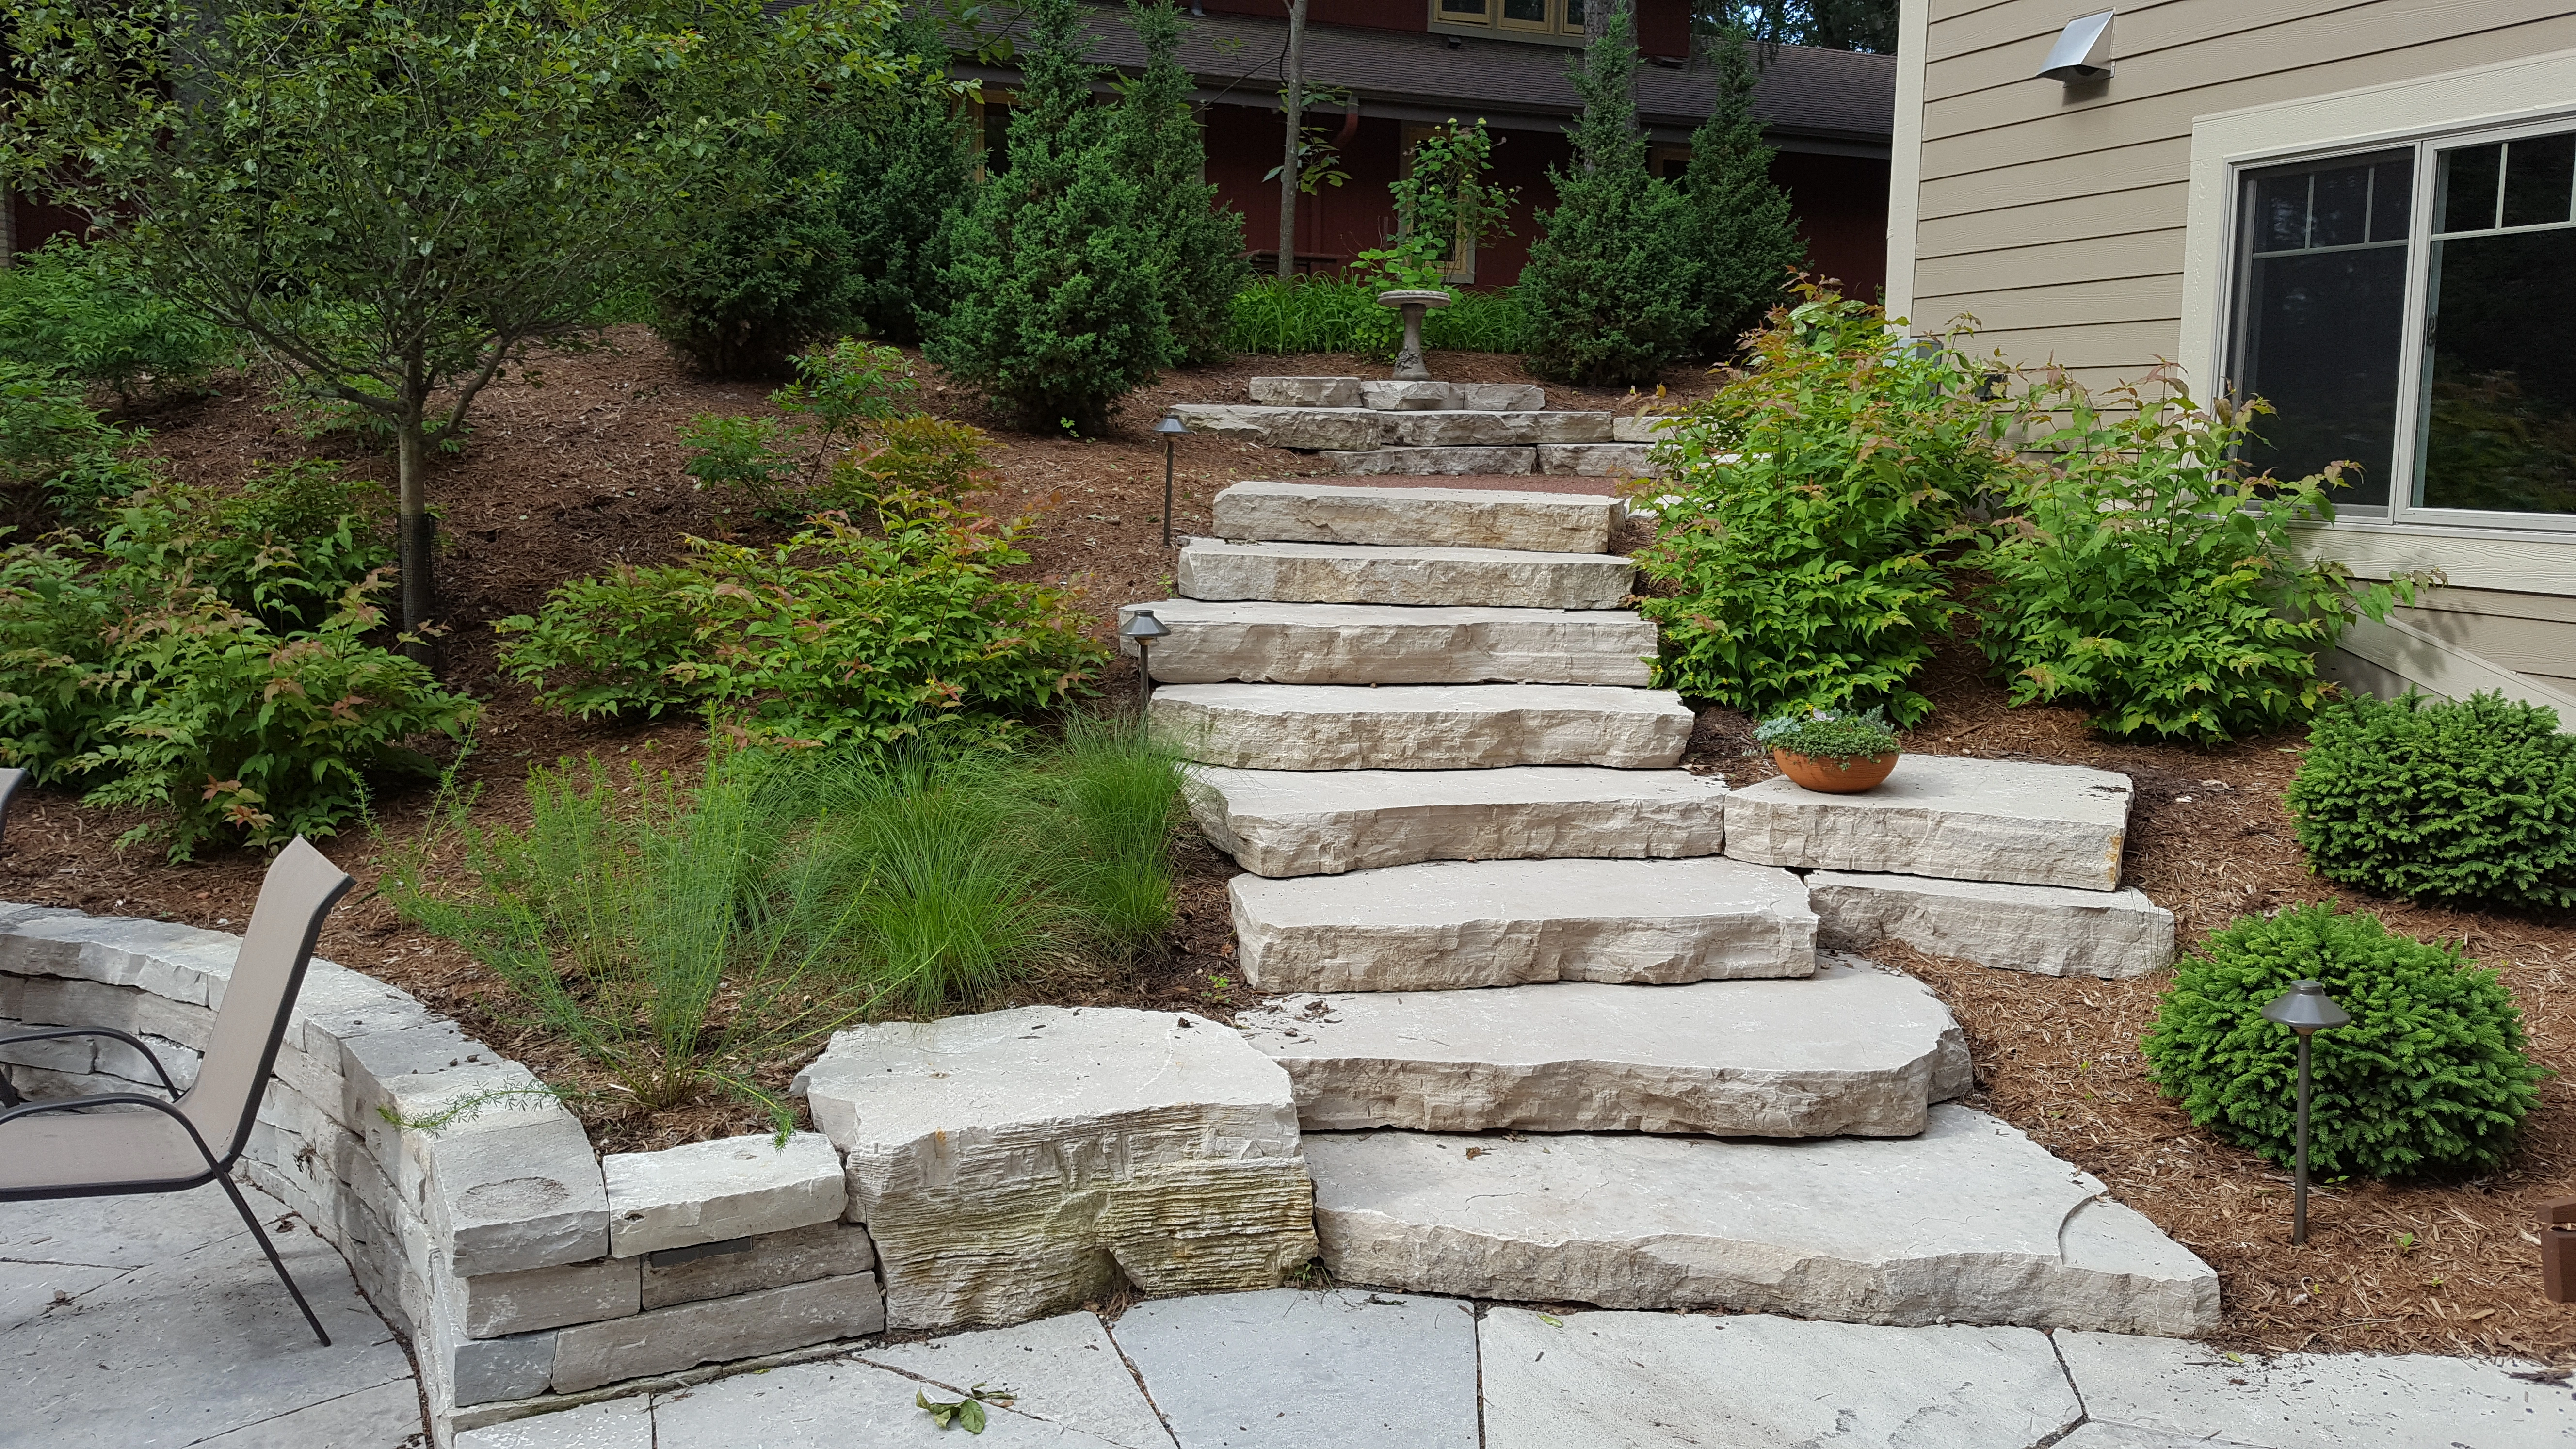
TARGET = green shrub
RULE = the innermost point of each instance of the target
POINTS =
(1057, 311)
(1296, 314)
(2135, 570)
(54, 445)
(2471, 801)
(765, 266)
(1802, 529)
(917, 175)
(233, 731)
(838, 634)
(84, 313)
(206, 656)
(844, 395)
(1490, 321)
(1824, 735)
(285, 547)
(2430, 1077)
(1599, 287)
(1199, 244)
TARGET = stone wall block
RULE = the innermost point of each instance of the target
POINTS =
(498, 1304)
(1308, 392)
(517, 1197)
(707, 1192)
(2047, 930)
(748, 1265)
(668, 1340)
(1073, 1148)
(2013, 822)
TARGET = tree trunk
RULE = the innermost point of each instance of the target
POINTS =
(418, 533)
(1292, 170)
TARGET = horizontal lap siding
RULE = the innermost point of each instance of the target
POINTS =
(2055, 216)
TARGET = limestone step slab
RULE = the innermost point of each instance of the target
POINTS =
(1595, 458)
(1325, 822)
(2049, 930)
(1853, 1051)
(1362, 428)
(1419, 517)
(1971, 1222)
(1501, 397)
(1389, 644)
(1333, 573)
(1351, 392)
(1388, 462)
(1454, 924)
(1421, 726)
(1954, 818)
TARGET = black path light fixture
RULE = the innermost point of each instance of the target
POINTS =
(1172, 432)
(1144, 628)
(2306, 1009)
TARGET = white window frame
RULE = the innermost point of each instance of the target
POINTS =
(2530, 96)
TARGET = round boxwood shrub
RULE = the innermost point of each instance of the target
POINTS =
(2455, 801)
(2430, 1077)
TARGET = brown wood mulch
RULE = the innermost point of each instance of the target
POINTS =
(578, 466)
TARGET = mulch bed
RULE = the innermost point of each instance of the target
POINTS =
(579, 466)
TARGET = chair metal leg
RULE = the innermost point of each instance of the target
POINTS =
(270, 1249)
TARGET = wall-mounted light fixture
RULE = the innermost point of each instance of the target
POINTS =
(2082, 53)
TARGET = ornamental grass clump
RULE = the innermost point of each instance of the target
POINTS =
(2431, 1077)
(2465, 801)
(1824, 735)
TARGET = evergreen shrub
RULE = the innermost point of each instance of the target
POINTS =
(2464, 802)
(1600, 289)
(55, 447)
(2431, 1077)
(1057, 311)
(1198, 245)
(1738, 245)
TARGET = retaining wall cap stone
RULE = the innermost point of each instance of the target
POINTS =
(707, 1192)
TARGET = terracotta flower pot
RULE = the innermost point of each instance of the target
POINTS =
(1836, 777)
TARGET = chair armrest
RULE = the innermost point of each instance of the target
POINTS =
(118, 1099)
(52, 1033)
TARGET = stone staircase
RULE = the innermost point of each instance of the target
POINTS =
(1428, 429)
(1552, 1036)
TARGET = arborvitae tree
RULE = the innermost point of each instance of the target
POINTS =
(826, 228)
(1056, 309)
(1737, 229)
(1600, 287)
(1201, 260)
(912, 183)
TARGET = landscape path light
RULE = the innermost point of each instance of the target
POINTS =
(2306, 1009)
(1144, 628)
(1172, 431)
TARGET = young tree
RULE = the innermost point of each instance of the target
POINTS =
(1057, 310)
(1292, 164)
(1737, 233)
(1200, 245)
(1600, 288)
(397, 201)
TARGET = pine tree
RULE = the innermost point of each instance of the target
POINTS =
(1599, 287)
(1738, 233)
(1201, 261)
(1056, 310)
(908, 189)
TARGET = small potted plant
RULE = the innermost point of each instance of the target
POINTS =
(1839, 754)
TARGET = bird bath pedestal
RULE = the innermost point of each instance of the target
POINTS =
(1408, 361)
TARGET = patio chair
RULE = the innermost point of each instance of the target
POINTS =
(61, 1148)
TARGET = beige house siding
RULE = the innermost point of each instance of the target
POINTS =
(2058, 219)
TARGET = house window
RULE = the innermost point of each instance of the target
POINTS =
(1555, 20)
(2408, 309)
